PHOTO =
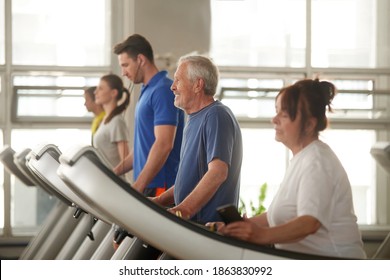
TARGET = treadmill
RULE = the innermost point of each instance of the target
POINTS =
(83, 171)
(15, 163)
(77, 236)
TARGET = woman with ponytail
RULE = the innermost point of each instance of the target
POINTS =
(111, 138)
(312, 211)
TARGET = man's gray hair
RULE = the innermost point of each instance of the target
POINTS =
(201, 67)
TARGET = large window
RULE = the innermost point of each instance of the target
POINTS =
(57, 49)
(350, 44)
(2, 33)
(259, 33)
(51, 98)
(275, 33)
(64, 33)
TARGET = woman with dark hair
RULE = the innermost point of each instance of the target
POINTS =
(111, 138)
(312, 211)
(91, 106)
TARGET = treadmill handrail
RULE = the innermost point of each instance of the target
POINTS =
(92, 155)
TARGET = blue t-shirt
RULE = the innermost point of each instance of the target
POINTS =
(211, 133)
(156, 107)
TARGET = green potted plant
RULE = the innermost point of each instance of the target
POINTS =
(253, 209)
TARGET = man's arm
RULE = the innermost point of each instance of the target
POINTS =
(166, 198)
(217, 174)
(158, 154)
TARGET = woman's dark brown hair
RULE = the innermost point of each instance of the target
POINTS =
(311, 98)
(116, 83)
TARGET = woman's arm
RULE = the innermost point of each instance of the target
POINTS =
(125, 165)
(166, 198)
(255, 231)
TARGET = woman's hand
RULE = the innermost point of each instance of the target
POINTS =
(244, 230)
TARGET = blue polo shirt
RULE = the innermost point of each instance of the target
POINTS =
(156, 107)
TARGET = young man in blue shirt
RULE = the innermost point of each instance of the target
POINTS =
(158, 123)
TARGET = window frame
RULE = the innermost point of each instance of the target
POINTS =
(15, 117)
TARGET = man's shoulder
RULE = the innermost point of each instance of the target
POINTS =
(219, 108)
(162, 89)
(162, 77)
(162, 82)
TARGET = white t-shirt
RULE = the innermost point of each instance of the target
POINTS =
(316, 184)
(106, 137)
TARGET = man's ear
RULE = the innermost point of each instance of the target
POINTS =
(199, 85)
(140, 60)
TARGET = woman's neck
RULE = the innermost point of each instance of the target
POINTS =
(303, 143)
(108, 108)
